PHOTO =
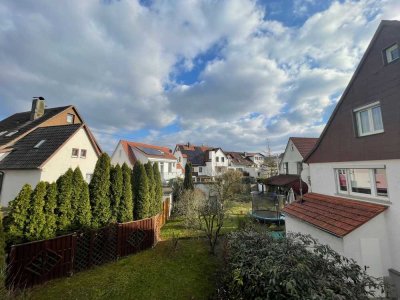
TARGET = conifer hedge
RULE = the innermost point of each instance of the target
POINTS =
(188, 181)
(141, 192)
(64, 208)
(152, 188)
(116, 189)
(158, 189)
(80, 201)
(36, 216)
(125, 213)
(49, 230)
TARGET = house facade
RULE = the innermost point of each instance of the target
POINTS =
(354, 168)
(44, 147)
(130, 152)
(251, 164)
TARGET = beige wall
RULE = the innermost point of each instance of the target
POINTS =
(120, 157)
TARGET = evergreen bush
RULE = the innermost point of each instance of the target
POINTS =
(77, 184)
(141, 190)
(158, 189)
(188, 181)
(49, 230)
(64, 197)
(36, 218)
(116, 189)
(126, 205)
(152, 189)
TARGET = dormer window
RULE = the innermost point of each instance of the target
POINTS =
(12, 133)
(3, 132)
(39, 144)
(392, 53)
(70, 118)
(369, 119)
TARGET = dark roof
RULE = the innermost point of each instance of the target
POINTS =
(196, 155)
(336, 215)
(23, 123)
(239, 158)
(304, 145)
(282, 180)
(23, 154)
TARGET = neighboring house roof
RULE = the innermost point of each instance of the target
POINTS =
(196, 155)
(150, 151)
(23, 123)
(238, 158)
(288, 181)
(24, 155)
(303, 144)
(335, 215)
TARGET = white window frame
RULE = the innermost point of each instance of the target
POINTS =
(368, 108)
(349, 192)
(72, 153)
(80, 154)
(388, 54)
(72, 116)
(217, 158)
(200, 169)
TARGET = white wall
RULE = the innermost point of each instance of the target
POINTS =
(292, 156)
(13, 182)
(63, 160)
(120, 157)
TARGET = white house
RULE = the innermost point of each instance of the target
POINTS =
(207, 162)
(250, 163)
(355, 166)
(41, 151)
(130, 152)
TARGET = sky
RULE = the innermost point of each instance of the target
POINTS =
(236, 74)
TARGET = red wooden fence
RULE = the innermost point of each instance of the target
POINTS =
(37, 262)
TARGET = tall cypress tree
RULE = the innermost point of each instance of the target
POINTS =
(116, 190)
(50, 206)
(188, 181)
(152, 188)
(126, 205)
(77, 183)
(64, 209)
(84, 213)
(37, 219)
(15, 226)
(141, 190)
(100, 192)
(158, 188)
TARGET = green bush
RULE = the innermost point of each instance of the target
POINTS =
(76, 193)
(64, 208)
(152, 189)
(188, 181)
(260, 266)
(100, 192)
(158, 194)
(49, 230)
(15, 227)
(116, 190)
(37, 218)
(141, 192)
(126, 205)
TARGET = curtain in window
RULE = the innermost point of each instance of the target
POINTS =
(364, 121)
(377, 118)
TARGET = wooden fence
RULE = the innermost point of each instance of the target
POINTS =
(37, 262)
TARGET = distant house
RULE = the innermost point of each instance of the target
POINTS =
(355, 166)
(130, 152)
(42, 144)
(251, 164)
(207, 162)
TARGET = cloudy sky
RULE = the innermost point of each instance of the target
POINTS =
(232, 73)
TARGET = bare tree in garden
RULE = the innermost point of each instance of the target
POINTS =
(189, 207)
(36, 218)
(126, 205)
(50, 206)
(17, 218)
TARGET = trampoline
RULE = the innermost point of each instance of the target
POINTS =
(266, 207)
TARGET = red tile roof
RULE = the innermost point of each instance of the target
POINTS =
(126, 145)
(304, 145)
(338, 216)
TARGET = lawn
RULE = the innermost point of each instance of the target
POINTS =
(164, 272)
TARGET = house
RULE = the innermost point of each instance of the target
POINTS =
(354, 167)
(130, 152)
(41, 145)
(207, 162)
(251, 164)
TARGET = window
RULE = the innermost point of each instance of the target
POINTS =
(39, 144)
(291, 148)
(169, 167)
(369, 119)
(1, 180)
(161, 167)
(299, 168)
(3, 132)
(75, 152)
(83, 153)
(89, 177)
(286, 168)
(363, 182)
(392, 53)
(200, 169)
(217, 159)
(12, 133)
(179, 159)
(223, 159)
(70, 118)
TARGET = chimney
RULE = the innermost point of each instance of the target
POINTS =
(38, 104)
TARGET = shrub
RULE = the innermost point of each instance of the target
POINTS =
(15, 226)
(188, 181)
(158, 194)
(76, 193)
(37, 219)
(116, 190)
(296, 267)
(49, 230)
(84, 213)
(64, 209)
(141, 190)
(152, 189)
(126, 205)
(100, 192)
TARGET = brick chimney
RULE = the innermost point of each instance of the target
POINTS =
(38, 104)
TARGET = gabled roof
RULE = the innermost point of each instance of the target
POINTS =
(238, 158)
(22, 123)
(303, 144)
(160, 151)
(24, 155)
(196, 155)
(335, 215)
